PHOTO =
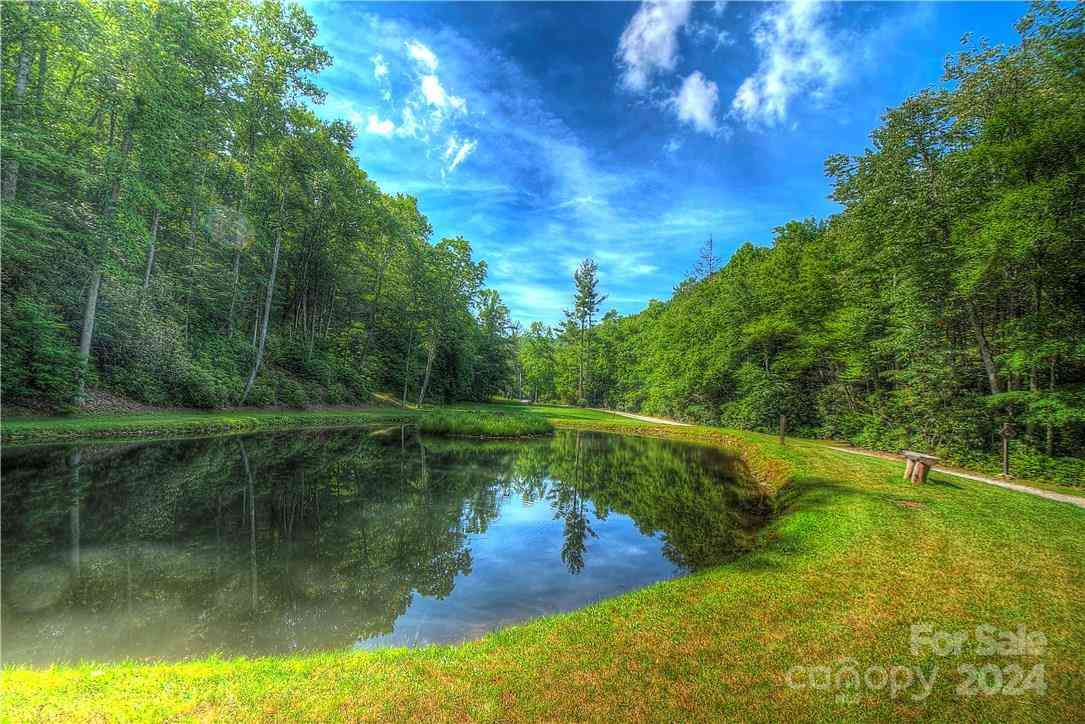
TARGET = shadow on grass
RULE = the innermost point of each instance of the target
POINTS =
(943, 483)
(804, 510)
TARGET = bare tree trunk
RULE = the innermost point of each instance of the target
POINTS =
(985, 350)
(87, 332)
(151, 249)
(430, 354)
(255, 321)
(267, 303)
(11, 170)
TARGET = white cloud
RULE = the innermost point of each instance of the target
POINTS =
(718, 7)
(380, 69)
(422, 54)
(797, 56)
(436, 95)
(433, 91)
(696, 102)
(379, 127)
(672, 145)
(649, 43)
(579, 202)
(456, 153)
(704, 33)
(466, 150)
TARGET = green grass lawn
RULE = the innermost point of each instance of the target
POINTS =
(855, 558)
(483, 423)
(154, 424)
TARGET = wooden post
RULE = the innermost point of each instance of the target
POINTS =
(919, 475)
(909, 468)
(783, 428)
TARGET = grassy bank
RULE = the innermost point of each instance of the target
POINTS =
(853, 561)
(154, 424)
(483, 424)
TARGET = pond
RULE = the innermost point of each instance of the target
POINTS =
(305, 540)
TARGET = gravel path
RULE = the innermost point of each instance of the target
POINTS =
(1050, 495)
(644, 418)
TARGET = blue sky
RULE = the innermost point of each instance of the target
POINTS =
(545, 133)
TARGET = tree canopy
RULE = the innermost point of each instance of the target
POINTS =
(181, 228)
(945, 298)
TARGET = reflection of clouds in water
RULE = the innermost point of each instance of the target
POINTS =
(378, 539)
(518, 575)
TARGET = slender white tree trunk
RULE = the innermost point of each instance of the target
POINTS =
(11, 168)
(430, 354)
(267, 304)
(90, 308)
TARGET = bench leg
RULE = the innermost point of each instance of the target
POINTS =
(908, 469)
(920, 473)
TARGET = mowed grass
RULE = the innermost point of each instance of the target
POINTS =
(154, 424)
(558, 415)
(855, 558)
(483, 423)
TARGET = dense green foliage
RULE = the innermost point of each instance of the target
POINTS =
(179, 226)
(947, 297)
(483, 424)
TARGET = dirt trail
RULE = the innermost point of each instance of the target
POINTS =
(1049, 494)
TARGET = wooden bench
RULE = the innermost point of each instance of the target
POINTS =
(918, 466)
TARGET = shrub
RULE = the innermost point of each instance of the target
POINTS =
(40, 360)
(205, 386)
(337, 394)
(262, 393)
(291, 392)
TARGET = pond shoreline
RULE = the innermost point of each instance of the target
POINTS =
(853, 559)
(156, 425)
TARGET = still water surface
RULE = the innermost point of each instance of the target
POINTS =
(282, 542)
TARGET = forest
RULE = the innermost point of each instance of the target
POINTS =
(947, 297)
(180, 229)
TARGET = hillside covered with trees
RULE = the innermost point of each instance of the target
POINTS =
(181, 229)
(945, 298)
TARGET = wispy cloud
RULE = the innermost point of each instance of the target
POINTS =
(422, 54)
(649, 43)
(797, 56)
(456, 152)
(380, 69)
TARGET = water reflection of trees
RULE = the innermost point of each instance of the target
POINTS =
(292, 541)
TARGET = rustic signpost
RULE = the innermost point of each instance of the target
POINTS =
(783, 428)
